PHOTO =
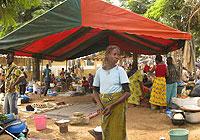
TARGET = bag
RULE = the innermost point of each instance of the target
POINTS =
(29, 108)
(195, 91)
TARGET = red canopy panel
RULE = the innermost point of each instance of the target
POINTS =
(23, 54)
(102, 15)
(76, 43)
(47, 42)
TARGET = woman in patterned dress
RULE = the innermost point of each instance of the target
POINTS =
(111, 91)
(158, 94)
(136, 84)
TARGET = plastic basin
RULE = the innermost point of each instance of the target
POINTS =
(178, 134)
(40, 122)
(17, 128)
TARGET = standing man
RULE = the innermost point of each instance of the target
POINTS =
(171, 80)
(47, 79)
(13, 77)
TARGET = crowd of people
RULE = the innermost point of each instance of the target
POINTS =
(112, 87)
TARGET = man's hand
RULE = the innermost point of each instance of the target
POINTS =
(12, 88)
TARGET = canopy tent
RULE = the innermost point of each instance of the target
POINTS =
(94, 56)
(78, 28)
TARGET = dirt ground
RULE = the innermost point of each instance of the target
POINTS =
(142, 123)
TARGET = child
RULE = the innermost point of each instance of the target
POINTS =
(85, 85)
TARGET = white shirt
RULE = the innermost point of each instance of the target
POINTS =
(110, 81)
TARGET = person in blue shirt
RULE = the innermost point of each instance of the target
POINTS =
(47, 79)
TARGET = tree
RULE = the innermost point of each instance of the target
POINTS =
(183, 15)
(10, 9)
(137, 6)
(107, 1)
(12, 18)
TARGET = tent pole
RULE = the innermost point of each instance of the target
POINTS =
(66, 64)
(192, 51)
(41, 79)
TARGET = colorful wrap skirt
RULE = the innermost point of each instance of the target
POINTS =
(114, 124)
(158, 93)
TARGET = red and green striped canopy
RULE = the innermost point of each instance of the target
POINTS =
(78, 28)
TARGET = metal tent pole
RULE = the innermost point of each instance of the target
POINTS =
(192, 52)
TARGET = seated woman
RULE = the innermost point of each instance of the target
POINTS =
(85, 85)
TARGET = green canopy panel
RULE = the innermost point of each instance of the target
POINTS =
(77, 28)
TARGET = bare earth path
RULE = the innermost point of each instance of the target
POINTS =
(142, 124)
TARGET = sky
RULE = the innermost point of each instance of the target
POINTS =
(115, 2)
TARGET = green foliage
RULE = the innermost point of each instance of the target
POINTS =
(137, 6)
(26, 10)
(9, 10)
(183, 15)
(2, 118)
(107, 1)
(38, 13)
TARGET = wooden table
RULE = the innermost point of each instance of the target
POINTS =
(97, 136)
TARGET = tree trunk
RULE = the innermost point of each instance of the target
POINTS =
(36, 69)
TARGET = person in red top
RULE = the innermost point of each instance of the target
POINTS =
(158, 97)
(85, 85)
(146, 68)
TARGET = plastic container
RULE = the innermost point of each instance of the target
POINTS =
(192, 117)
(178, 134)
(40, 122)
(30, 90)
(17, 128)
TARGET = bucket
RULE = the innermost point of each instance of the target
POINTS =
(40, 122)
(178, 134)
(30, 90)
